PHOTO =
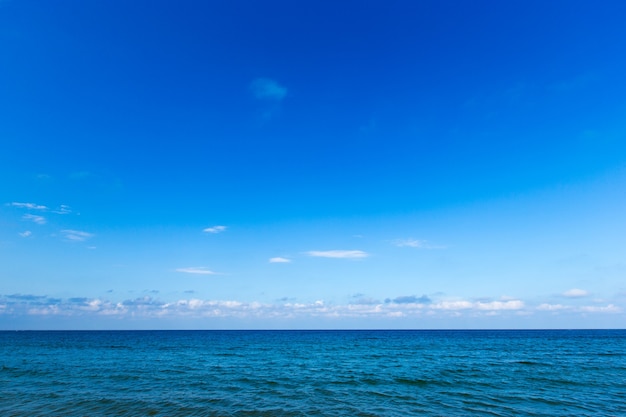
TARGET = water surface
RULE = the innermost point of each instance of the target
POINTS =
(313, 373)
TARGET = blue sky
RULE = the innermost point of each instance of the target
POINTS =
(314, 164)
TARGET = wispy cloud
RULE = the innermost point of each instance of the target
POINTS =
(479, 305)
(279, 260)
(415, 243)
(26, 297)
(34, 218)
(30, 206)
(268, 89)
(575, 293)
(611, 308)
(339, 254)
(215, 229)
(552, 307)
(199, 270)
(63, 209)
(560, 308)
(76, 235)
(26, 233)
(500, 305)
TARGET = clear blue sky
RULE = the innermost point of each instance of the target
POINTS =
(312, 164)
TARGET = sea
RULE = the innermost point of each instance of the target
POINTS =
(313, 373)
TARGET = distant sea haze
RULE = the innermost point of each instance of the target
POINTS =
(313, 373)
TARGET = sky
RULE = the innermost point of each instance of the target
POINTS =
(312, 164)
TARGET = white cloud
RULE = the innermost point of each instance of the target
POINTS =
(34, 218)
(267, 89)
(76, 235)
(26, 233)
(215, 229)
(279, 260)
(415, 243)
(552, 307)
(500, 305)
(200, 270)
(31, 206)
(575, 293)
(599, 309)
(63, 209)
(488, 306)
(342, 254)
(452, 305)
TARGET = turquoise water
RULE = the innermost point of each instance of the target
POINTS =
(312, 373)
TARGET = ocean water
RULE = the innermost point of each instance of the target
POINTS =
(313, 373)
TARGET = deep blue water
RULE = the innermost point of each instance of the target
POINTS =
(309, 373)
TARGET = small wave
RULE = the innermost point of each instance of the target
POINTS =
(416, 382)
(528, 363)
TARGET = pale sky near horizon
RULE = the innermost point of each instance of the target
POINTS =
(358, 164)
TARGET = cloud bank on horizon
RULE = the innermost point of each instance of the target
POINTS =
(401, 312)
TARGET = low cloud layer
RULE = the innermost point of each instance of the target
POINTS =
(409, 299)
(16, 305)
